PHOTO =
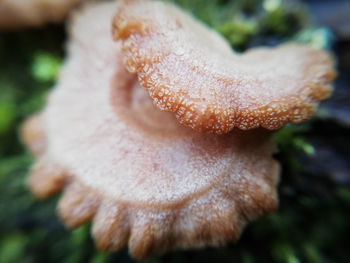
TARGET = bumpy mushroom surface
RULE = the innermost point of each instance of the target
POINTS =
(191, 70)
(144, 180)
(22, 13)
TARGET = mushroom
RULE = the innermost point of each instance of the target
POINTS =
(21, 13)
(33, 134)
(142, 178)
(190, 70)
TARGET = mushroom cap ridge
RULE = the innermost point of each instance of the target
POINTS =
(190, 70)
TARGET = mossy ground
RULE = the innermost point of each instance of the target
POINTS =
(312, 222)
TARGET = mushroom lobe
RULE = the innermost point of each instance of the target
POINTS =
(190, 70)
(21, 13)
(144, 180)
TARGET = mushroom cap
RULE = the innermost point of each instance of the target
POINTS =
(33, 134)
(190, 70)
(21, 13)
(144, 179)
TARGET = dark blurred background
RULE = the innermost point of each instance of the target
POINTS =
(312, 222)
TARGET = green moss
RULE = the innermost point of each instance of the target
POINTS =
(12, 248)
(7, 116)
(283, 18)
(290, 138)
(238, 30)
(284, 253)
(45, 67)
(316, 37)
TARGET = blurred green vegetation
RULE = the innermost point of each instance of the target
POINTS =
(312, 223)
